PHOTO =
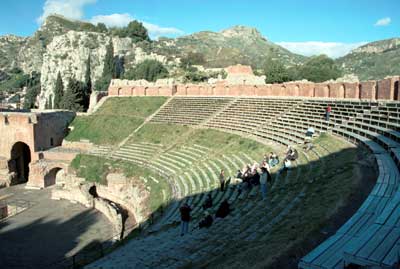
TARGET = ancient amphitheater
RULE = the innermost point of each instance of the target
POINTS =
(337, 207)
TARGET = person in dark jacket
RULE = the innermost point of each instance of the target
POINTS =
(207, 221)
(223, 210)
(185, 218)
(208, 203)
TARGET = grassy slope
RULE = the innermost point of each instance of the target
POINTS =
(115, 120)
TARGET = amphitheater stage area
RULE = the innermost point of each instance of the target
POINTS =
(46, 233)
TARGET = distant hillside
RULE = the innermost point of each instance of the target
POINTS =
(238, 44)
(374, 60)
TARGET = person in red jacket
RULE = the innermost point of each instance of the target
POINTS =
(185, 218)
(328, 112)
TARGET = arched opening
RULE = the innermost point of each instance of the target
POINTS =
(396, 91)
(19, 163)
(50, 177)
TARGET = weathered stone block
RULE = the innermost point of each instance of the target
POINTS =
(321, 90)
(384, 89)
(352, 90)
(336, 90)
(367, 90)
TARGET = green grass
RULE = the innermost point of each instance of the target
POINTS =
(115, 120)
(165, 134)
(95, 169)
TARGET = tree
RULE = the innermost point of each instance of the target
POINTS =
(33, 90)
(108, 69)
(87, 89)
(58, 92)
(150, 70)
(119, 66)
(137, 32)
(319, 69)
(101, 27)
(73, 96)
(193, 58)
(275, 71)
(50, 102)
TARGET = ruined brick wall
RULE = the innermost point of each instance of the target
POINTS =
(16, 127)
(386, 89)
(38, 130)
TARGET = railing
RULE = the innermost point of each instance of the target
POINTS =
(14, 207)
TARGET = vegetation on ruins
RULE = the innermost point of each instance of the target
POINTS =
(95, 169)
(150, 70)
(115, 120)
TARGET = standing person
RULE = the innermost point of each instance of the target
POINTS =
(185, 218)
(328, 112)
(208, 202)
(222, 179)
(263, 182)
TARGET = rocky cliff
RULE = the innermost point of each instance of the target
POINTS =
(374, 60)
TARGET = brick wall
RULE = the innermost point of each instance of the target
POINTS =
(386, 89)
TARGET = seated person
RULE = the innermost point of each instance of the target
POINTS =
(309, 134)
(254, 168)
(239, 174)
(208, 202)
(223, 210)
(265, 165)
(308, 146)
(292, 154)
(207, 221)
(287, 164)
(273, 159)
(255, 179)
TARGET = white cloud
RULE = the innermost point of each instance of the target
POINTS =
(120, 20)
(157, 31)
(383, 22)
(309, 48)
(113, 20)
(72, 9)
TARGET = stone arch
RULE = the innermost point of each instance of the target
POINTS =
(18, 164)
(50, 177)
(119, 91)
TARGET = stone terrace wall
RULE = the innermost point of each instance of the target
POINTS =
(386, 89)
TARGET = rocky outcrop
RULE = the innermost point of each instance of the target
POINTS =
(10, 45)
(68, 54)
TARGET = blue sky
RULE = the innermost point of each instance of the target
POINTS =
(307, 27)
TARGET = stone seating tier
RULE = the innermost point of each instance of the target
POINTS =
(362, 240)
